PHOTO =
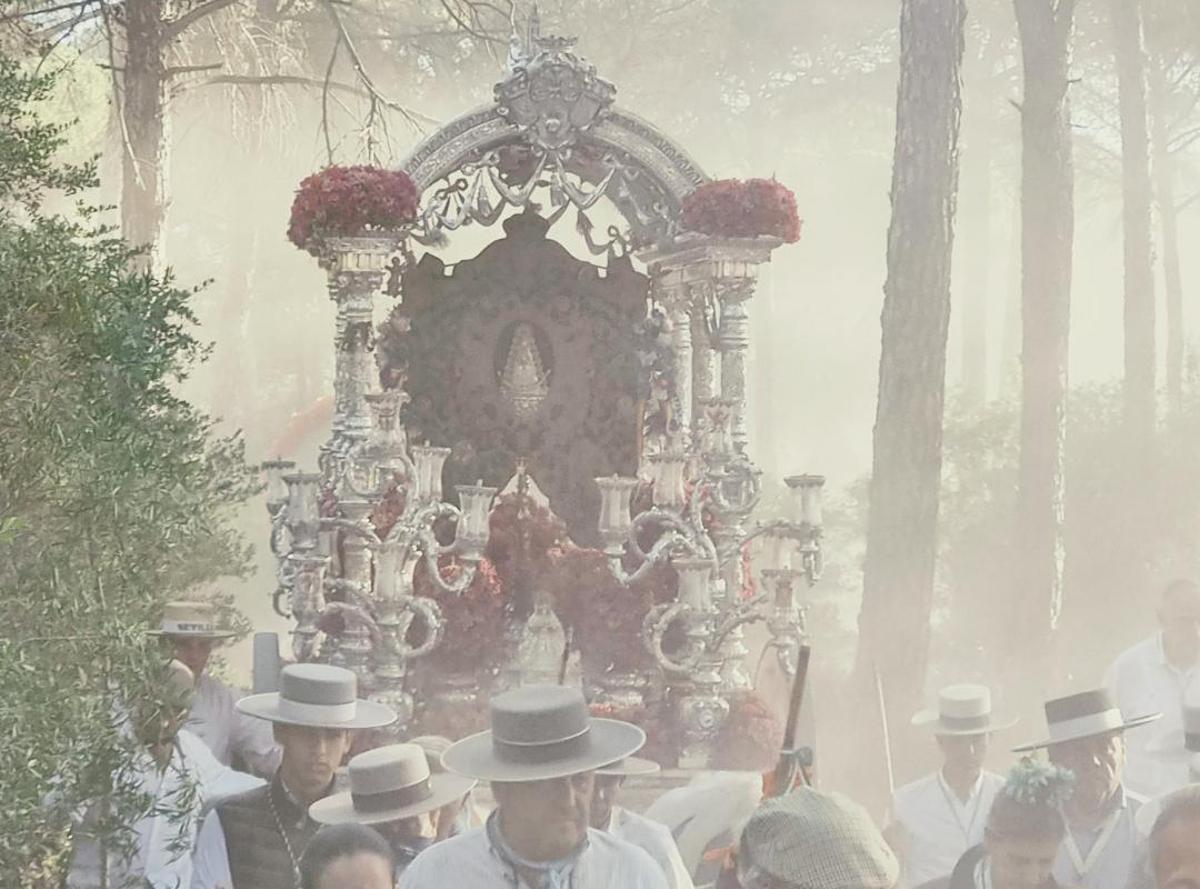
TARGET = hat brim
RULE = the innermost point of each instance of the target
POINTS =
(932, 720)
(214, 635)
(630, 767)
(608, 740)
(1087, 733)
(367, 714)
(339, 807)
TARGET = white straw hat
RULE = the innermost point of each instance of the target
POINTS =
(191, 620)
(962, 710)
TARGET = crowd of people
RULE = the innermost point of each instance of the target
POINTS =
(1107, 798)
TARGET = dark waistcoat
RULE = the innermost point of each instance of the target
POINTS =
(258, 858)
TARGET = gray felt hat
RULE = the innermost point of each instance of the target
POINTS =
(1084, 715)
(388, 784)
(813, 840)
(320, 696)
(540, 732)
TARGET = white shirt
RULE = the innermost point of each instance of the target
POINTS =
(1108, 854)
(656, 840)
(1144, 683)
(163, 837)
(937, 827)
(708, 812)
(468, 861)
(215, 720)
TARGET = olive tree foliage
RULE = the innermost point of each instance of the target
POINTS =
(115, 494)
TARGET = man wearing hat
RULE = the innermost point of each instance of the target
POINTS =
(1160, 674)
(655, 838)
(190, 629)
(812, 840)
(1087, 738)
(177, 775)
(540, 756)
(255, 840)
(935, 819)
(391, 789)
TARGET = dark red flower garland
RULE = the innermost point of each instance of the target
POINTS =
(732, 208)
(350, 201)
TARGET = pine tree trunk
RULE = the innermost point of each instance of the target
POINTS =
(906, 471)
(976, 298)
(1047, 242)
(1139, 406)
(1010, 354)
(1168, 215)
(143, 197)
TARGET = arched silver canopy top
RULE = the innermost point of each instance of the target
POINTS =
(553, 126)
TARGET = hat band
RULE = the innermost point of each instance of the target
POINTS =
(982, 722)
(320, 713)
(539, 754)
(386, 800)
(1083, 726)
(185, 626)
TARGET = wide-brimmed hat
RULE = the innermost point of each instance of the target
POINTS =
(1180, 745)
(816, 840)
(320, 696)
(388, 784)
(190, 620)
(962, 710)
(629, 767)
(1084, 715)
(540, 732)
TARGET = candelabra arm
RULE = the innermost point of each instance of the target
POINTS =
(697, 540)
(352, 614)
(654, 628)
(359, 592)
(433, 551)
(278, 539)
(665, 547)
(782, 527)
(746, 613)
(428, 612)
(454, 587)
(753, 495)
(276, 598)
(358, 529)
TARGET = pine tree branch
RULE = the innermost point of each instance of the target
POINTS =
(193, 15)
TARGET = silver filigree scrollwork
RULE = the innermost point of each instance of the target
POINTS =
(553, 96)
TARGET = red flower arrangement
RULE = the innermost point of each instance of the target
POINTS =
(731, 208)
(606, 616)
(750, 739)
(474, 641)
(389, 509)
(349, 201)
(522, 534)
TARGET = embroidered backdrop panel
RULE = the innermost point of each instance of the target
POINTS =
(523, 353)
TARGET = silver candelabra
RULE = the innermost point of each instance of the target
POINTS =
(333, 559)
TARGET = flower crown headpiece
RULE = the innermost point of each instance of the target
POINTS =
(1039, 784)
